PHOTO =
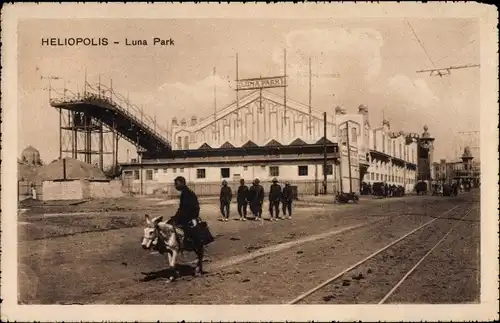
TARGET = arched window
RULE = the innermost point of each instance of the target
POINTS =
(354, 135)
(393, 147)
(179, 142)
(383, 142)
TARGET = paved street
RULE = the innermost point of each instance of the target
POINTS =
(99, 259)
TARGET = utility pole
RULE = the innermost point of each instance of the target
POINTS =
(325, 177)
(348, 156)
(215, 107)
(310, 89)
(310, 75)
(284, 88)
(49, 88)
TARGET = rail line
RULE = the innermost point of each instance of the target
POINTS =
(389, 294)
(364, 260)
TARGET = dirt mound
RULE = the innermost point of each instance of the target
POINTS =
(26, 172)
(75, 169)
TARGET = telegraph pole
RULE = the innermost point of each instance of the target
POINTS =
(310, 89)
(325, 177)
(48, 78)
(284, 88)
(215, 107)
(348, 156)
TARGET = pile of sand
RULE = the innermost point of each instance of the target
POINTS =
(26, 172)
(75, 169)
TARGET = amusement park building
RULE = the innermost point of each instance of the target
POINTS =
(256, 137)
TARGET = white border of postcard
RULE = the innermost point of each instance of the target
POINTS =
(486, 310)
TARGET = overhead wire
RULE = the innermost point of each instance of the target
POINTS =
(421, 45)
(455, 51)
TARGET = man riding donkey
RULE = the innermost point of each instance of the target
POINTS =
(165, 236)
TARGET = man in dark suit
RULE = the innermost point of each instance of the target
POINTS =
(188, 214)
(287, 200)
(274, 200)
(256, 198)
(226, 195)
(242, 200)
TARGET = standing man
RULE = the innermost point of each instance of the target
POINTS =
(242, 200)
(226, 195)
(287, 200)
(256, 199)
(274, 200)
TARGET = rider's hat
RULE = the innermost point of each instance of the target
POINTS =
(180, 180)
(275, 180)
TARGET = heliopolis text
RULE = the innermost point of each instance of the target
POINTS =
(75, 41)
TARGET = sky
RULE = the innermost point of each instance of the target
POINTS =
(376, 61)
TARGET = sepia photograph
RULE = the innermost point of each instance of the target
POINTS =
(204, 157)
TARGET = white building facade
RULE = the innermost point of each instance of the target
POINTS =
(260, 119)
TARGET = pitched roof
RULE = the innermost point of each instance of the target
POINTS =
(273, 143)
(249, 144)
(75, 169)
(227, 144)
(298, 142)
(322, 141)
(205, 146)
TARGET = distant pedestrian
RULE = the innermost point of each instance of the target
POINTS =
(226, 195)
(256, 199)
(33, 192)
(242, 200)
(274, 200)
(287, 197)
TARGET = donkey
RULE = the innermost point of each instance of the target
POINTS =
(164, 237)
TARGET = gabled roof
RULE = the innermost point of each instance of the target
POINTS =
(227, 144)
(249, 144)
(205, 146)
(298, 142)
(244, 101)
(322, 141)
(273, 143)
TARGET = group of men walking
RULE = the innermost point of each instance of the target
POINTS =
(253, 197)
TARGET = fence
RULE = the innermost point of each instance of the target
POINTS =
(207, 189)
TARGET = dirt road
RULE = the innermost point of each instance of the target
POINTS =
(97, 258)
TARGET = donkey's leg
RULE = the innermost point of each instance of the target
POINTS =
(199, 255)
(173, 258)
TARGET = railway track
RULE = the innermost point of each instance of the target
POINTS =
(397, 252)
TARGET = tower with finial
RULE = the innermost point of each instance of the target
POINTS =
(467, 159)
(340, 111)
(425, 151)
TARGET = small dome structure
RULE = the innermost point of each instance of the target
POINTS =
(362, 109)
(340, 110)
(31, 156)
(467, 152)
(426, 133)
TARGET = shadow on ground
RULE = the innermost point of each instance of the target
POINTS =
(182, 271)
